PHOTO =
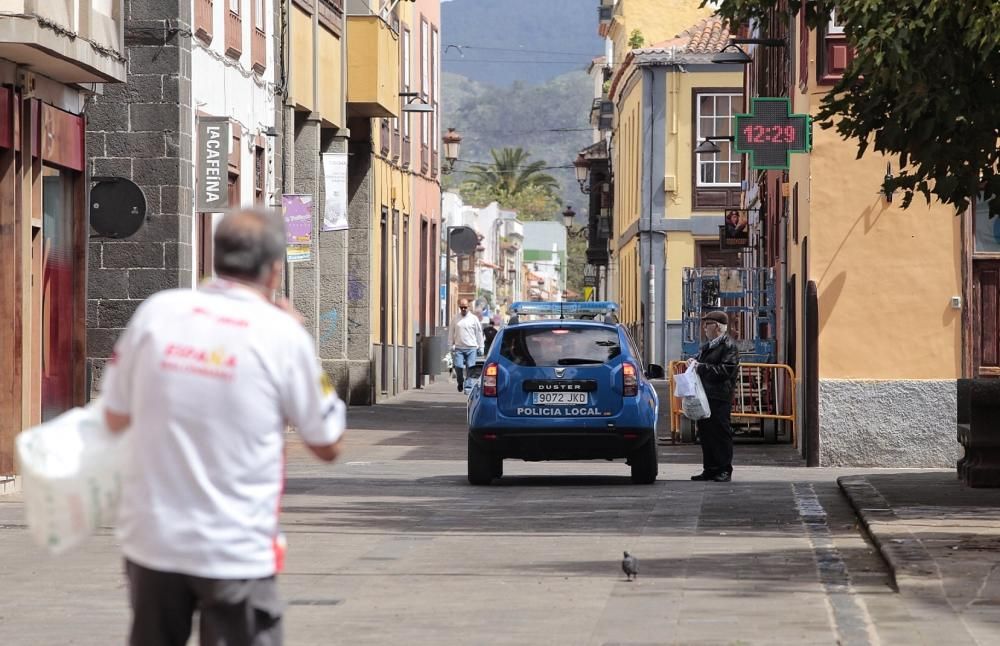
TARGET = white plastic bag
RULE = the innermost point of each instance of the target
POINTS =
(696, 406)
(71, 468)
(683, 385)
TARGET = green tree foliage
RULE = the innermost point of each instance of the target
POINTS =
(924, 85)
(532, 204)
(510, 174)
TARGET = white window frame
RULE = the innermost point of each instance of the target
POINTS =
(234, 6)
(425, 58)
(435, 91)
(725, 147)
(406, 76)
(260, 24)
(834, 27)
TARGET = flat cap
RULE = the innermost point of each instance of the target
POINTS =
(718, 317)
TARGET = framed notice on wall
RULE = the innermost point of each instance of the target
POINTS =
(297, 210)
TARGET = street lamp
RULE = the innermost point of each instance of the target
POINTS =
(709, 147)
(733, 54)
(582, 167)
(568, 216)
(452, 144)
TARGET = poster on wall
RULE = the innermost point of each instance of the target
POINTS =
(335, 184)
(735, 233)
(212, 139)
(297, 210)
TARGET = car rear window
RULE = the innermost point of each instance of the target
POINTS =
(568, 346)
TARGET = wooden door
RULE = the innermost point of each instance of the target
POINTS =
(985, 339)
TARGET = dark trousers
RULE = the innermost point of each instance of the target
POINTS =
(233, 612)
(716, 436)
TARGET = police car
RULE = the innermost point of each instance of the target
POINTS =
(567, 386)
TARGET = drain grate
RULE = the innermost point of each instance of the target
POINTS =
(315, 602)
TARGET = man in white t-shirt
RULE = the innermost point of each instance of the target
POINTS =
(205, 382)
(466, 338)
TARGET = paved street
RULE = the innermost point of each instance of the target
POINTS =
(391, 545)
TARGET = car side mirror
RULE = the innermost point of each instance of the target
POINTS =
(654, 371)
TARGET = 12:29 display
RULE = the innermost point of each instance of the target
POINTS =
(769, 134)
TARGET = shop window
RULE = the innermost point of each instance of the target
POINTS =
(260, 175)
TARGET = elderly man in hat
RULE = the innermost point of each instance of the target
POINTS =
(718, 365)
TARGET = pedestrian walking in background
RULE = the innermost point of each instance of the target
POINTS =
(718, 366)
(466, 338)
(205, 383)
(489, 333)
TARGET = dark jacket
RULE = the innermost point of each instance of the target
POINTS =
(719, 367)
(489, 333)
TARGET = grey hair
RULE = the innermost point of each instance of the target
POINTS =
(248, 242)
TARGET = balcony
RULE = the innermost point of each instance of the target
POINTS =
(372, 68)
(37, 34)
(605, 14)
(258, 50)
(602, 114)
(203, 19)
(234, 34)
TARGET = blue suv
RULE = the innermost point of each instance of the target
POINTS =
(565, 388)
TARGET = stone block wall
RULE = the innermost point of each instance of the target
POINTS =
(141, 130)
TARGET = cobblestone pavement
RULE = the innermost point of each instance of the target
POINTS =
(391, 545)
(940, 539)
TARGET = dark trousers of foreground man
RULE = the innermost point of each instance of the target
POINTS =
(716, 436)
(246, 612)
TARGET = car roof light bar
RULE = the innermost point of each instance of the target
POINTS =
(568, 309)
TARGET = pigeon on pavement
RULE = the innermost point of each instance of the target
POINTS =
(630, 566)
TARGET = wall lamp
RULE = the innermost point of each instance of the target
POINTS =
(733, 54)
(709, 147)
(582, 168)
(886, 191)
(415, 103)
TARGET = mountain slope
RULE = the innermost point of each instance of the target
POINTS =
(503, 41)
(548, 120)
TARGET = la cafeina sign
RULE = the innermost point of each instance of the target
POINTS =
(212, 182)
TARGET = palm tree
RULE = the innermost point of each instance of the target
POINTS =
(510, 174)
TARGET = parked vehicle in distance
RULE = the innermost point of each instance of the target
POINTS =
(565, 388)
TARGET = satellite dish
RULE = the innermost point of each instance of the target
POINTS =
(117, 207)
(463, 240)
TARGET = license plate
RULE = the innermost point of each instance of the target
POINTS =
(559, 399)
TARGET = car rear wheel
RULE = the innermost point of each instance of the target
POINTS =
(483, 466)
(644, 464)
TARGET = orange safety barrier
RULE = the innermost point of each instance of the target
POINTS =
(764, 391)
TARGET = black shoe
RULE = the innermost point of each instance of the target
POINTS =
(702, 477)
(460, 388)
(725, 476)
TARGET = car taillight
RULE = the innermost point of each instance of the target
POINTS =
(490, 380)
(631, 380)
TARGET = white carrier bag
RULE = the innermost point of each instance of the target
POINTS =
(71, 477)
(694, 406)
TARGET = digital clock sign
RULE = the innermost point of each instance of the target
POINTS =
(770, 133)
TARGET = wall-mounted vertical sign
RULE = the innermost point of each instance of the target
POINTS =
(770, 133)
(297, 210)
(735, 233)
(212, 180)
(335, 194)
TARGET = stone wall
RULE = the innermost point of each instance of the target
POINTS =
(905, 423)
(141, 130)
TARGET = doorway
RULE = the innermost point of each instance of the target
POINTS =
(985, 338)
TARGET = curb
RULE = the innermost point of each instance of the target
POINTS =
(911, 568)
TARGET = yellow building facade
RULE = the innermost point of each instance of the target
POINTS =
(394, 66)
(872, 297)
(668, 202)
